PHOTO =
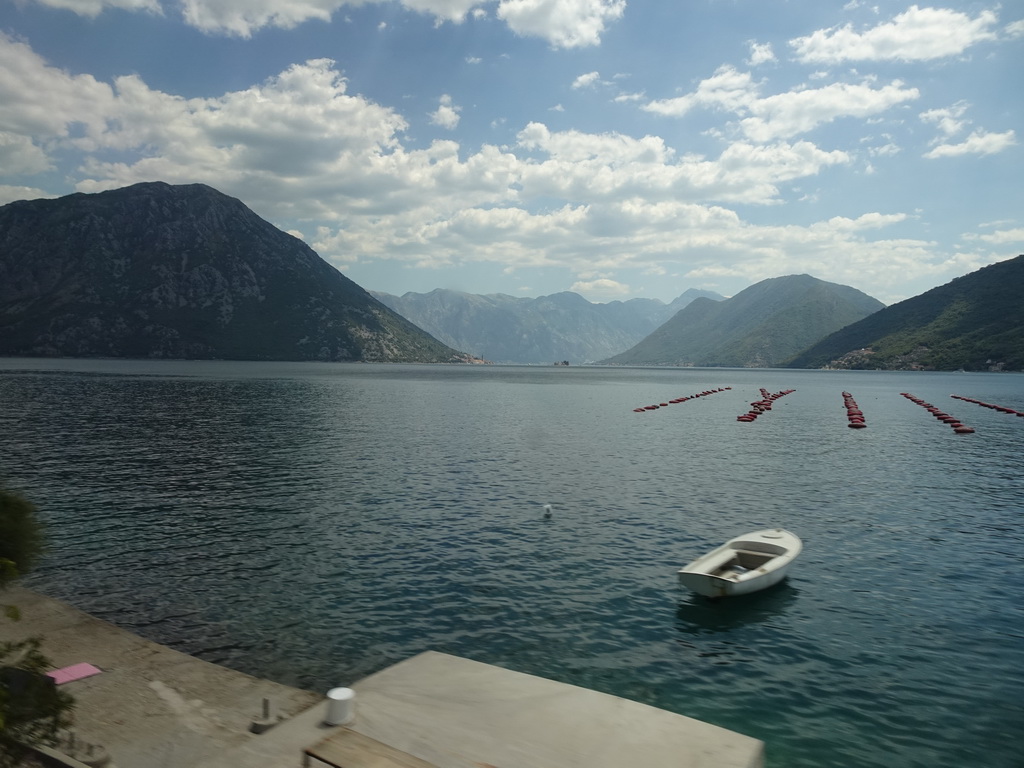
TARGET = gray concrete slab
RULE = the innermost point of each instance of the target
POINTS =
(153, 707)
(458, 713)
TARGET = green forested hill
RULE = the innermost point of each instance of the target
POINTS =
(759, 327)
(974, 323)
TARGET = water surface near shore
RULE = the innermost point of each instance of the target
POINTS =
(314, 523)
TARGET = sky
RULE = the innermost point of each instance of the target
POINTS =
(614, 148)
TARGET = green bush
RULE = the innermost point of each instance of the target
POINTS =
(21, 536)
(32, 709)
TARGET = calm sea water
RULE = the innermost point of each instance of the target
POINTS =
(315, 523)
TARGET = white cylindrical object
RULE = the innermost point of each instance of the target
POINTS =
(341, 706)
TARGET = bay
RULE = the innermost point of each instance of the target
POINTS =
(314, 523)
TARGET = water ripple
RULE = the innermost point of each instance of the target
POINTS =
(321, 522)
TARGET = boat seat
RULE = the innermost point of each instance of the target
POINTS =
(751, 560)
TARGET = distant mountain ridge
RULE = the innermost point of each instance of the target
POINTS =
(973, 323)
(562, 326)
(161, 271)
(759, 327)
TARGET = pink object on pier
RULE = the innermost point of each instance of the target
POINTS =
(74, 672)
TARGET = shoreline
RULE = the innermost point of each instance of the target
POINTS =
(150, 706)
(154, 707)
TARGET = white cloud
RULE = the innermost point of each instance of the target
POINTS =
(43, 104)
(602, 167)
(563, 23)
(885, 150)
(601, 288)
(242, 18)
(1015, 29)
(1000, 237)
(727, 89)
(978, 143)
(18, 155)
(93, 8)
(947, 120)
(300, 149)
(587, 80)
(918, 34)
(446, 115)
(787, 114)
(9, 193)
(760, 53)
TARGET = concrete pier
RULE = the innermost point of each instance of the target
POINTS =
(153, 707)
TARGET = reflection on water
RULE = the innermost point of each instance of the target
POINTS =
(698, 615)
(314, 523)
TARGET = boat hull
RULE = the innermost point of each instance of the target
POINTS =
(743, 565)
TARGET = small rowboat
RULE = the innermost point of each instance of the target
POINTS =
(745, 564)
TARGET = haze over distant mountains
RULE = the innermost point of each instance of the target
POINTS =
(563, 326)
(759, 327)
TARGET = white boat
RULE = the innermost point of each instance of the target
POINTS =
(745, 564)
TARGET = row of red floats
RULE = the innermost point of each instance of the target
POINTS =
(764, 404)
(939, 414)
(854, 415)
(1000, 408)
(705, 393)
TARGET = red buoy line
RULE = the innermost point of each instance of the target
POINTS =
(854, 415)
(939, 414)
(1000, 408)
(764, 404)
(705, 393)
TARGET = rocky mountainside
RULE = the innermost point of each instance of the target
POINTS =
(161, 271)
(563, 326)
(759, 327)
(974, 323)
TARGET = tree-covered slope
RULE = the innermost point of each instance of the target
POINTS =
(759, 327)
(974, 323)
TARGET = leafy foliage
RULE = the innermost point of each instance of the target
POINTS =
(21, 536)
(32, 709)
(974, 323)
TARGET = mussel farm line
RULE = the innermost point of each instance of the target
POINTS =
(1000, 408)
(854, 415)
(764, 404)
(666, 404)
(939, 414)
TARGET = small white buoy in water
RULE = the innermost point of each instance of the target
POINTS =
(547, 510)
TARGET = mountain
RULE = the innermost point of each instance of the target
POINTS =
(974, 323)
(162, 271)
(759, 327)
(563, 326)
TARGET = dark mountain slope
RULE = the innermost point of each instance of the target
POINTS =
(155, 270)
(975, 322)
(759, 327)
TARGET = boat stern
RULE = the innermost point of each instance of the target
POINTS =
(705, 584)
